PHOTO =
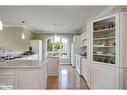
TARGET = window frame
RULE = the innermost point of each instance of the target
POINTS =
(61, 51)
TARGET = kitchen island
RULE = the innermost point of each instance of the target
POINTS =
(23, 74)
(53, 65)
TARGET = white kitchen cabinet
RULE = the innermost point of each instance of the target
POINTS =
(84, 68)
(75, 49)
(103, 77)
(53, 66)
(24, 78)
(76, 37)
(31, 78)
(83, 37)
(76, 40)
(123, 78)
(7, 79)
(88, 74)
(43, 76)
(78, 64)
(27, 79)
(7, 82)
(109, 73)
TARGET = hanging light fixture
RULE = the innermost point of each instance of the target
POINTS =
(55, 35)
(1, 25)
(23, 35)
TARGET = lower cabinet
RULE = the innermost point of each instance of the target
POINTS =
(53, 66)
(123, 78)
(27, 79)
(7, 79)
(33, 78)
(78, 64)
(7, 82)
(104, 77)
(84, 68)
(43, 77)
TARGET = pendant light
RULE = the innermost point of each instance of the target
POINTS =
(1, 25)
(23, 35)
(55, 35)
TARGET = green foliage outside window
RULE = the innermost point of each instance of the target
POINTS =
(49, 45)
(57, 46)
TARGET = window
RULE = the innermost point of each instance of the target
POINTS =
(49, 45)
(57, 46)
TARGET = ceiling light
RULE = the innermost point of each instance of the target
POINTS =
(1, 25)
(23, 35)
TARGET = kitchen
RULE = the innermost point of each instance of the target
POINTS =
(37, 48)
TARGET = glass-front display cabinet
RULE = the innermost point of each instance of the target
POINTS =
(104, 43)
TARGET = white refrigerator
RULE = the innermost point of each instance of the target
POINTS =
(37, 47)
(73, 55)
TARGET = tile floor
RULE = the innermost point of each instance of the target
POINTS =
(68, 79)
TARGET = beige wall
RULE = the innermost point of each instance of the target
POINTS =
(10, 38)
(45, 36)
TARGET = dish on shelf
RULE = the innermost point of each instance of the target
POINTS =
(105, 30)
(99, 52)
(106, 26)
(99, 45)
(110, 53)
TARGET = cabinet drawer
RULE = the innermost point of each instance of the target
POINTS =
(6, 83)
(6, 72)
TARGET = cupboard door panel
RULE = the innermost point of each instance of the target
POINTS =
(104, 78)
(6, 82)
(27, 79)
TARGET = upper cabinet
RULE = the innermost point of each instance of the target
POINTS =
(108, 52)
(104, 40)
(76, 40)
(83, 36)
(109, 40)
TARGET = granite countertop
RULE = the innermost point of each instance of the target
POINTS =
(21, 64)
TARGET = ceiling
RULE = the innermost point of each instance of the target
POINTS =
(49, 19)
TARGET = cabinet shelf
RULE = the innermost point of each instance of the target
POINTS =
(105, 30)
(104, 43)
(107, 38)
(103, 63)
(104, 46)
(104, 55)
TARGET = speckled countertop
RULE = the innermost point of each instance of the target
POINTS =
(29, 64)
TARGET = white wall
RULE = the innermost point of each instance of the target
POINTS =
(10, 38)
(44, 37)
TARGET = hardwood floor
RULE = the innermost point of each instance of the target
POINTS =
(68, 79)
